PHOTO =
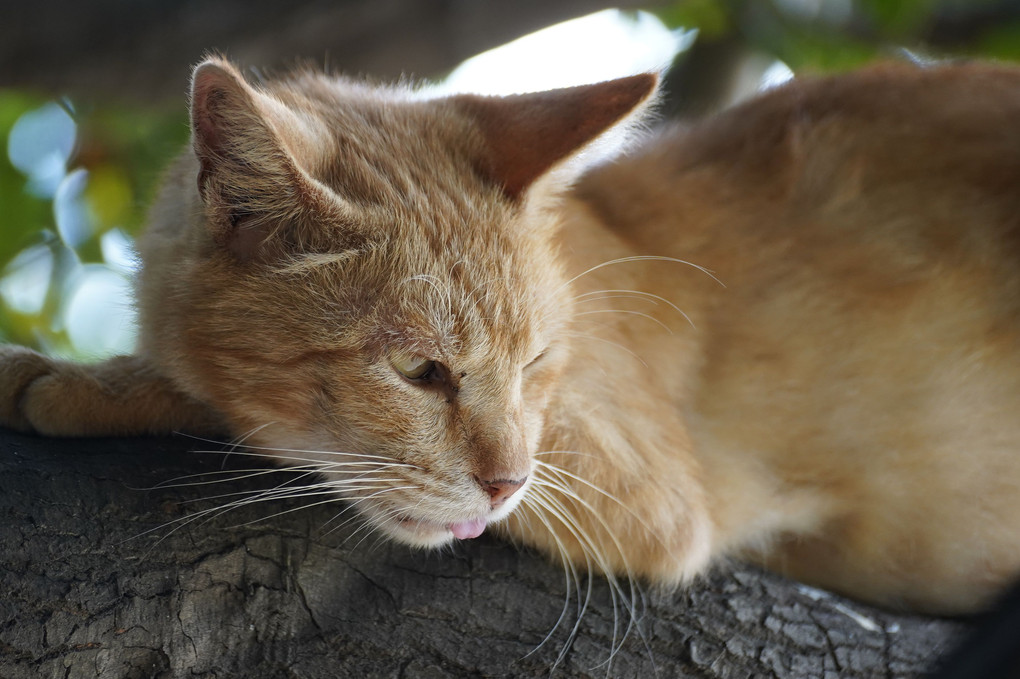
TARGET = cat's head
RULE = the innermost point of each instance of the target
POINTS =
(372, 287)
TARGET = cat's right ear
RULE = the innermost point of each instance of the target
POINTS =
(532, 136)
(248, 147)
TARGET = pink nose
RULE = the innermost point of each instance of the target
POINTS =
(500, 489)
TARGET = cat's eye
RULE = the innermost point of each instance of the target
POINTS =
(537, 358)
(413, 367)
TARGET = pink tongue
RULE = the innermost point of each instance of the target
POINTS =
(465, 530)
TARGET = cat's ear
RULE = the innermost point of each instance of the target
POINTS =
(253, 154)
(527, 135)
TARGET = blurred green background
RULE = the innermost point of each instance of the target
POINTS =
(76, 175)
(74, 184)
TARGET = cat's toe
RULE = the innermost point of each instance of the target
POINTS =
(19, 369)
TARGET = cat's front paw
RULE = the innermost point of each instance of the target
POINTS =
(19, 369)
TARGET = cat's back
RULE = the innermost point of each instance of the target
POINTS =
(817, 147)
(862, 192)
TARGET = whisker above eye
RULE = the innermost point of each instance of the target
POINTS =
(581, 335)
(641, 314)
(564, 452)
(640, 258)
(631, 294)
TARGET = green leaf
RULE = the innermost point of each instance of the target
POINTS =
(898, 18)
(710, 17)
(804, 50)
(1001, 42)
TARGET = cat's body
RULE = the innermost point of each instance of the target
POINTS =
(837, 398)
(852, 392)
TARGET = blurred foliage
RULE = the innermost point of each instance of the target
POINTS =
(110, 178)
(824, 35)
(23, 215)
(118, 154)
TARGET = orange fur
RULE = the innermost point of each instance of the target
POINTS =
(834, 397)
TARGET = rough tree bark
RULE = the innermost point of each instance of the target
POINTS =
(102, 575)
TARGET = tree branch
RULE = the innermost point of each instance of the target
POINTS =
(105, 579)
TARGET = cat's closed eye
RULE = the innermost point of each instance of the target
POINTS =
(413, 367)
(537, 359)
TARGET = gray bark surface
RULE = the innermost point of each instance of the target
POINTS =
(96, 582)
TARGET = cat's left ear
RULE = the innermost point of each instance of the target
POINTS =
(256, 162)
(529, 136)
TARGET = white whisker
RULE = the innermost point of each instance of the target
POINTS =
(564, 452)
(334, 499)
(631, 294)
(252, 448)
(580, 335)
(597, 552)
(560, 471)
(239, 440)
(541, 511)
(320, 464)
(593, 550)
(640, 258)
(653, 319)
(229, 474)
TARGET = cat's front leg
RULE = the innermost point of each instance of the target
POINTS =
(121, 396)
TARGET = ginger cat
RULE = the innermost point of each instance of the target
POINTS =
(790, 333)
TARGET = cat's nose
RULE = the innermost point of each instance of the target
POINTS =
(500, 490)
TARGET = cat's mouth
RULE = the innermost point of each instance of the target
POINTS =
(412, 528)
(462, 530)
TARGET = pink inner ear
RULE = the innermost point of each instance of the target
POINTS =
(529, 133)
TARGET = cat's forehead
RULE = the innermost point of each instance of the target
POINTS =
(382, 145)
(474, 309)
(457, 268)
